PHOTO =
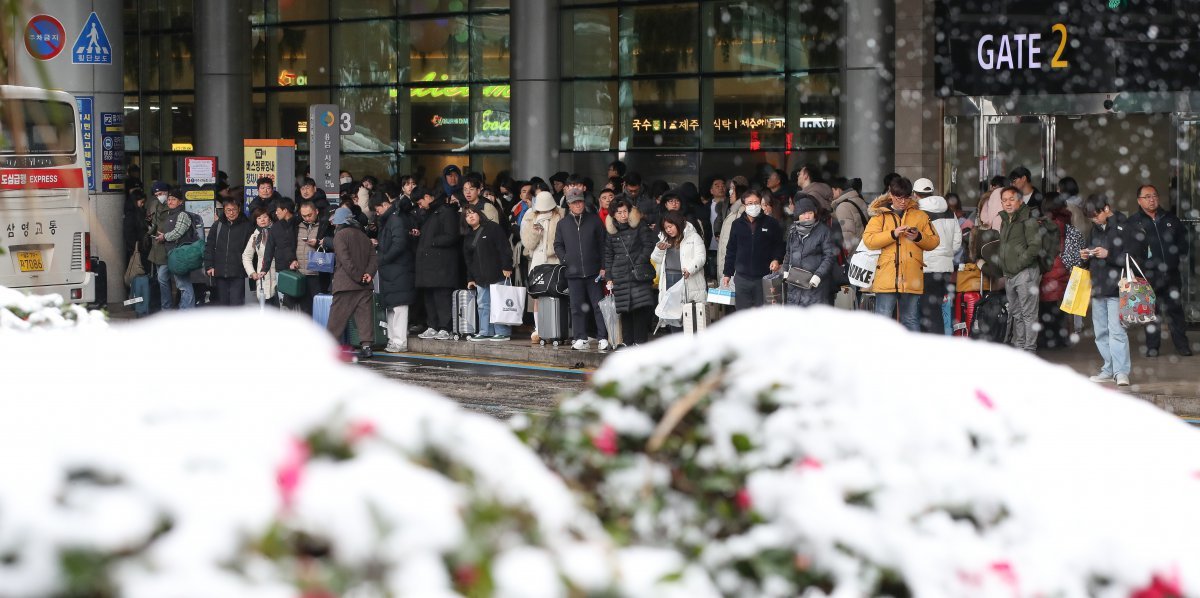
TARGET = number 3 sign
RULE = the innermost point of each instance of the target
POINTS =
(346, 122)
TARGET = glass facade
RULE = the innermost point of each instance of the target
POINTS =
(678, 89)
(702, 87)
(159, 85)
(427, 80)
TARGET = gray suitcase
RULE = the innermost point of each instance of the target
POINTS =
(464, 317)
(695, 318)
(553, 319)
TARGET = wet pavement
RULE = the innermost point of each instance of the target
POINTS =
(497, 388)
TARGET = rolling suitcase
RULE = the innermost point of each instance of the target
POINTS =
(100, 271)
(695, 318)
(464, 317)
(321, 305)
(139, 295)
(377, 316)
(991, 321)
(964, 312)
(553, 320)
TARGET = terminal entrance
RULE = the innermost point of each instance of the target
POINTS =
(1111, 153)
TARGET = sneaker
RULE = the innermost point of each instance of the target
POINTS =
(429, 333)
(580, 345)
(442, 335)
(364, 351)
(1102, 378)
(1122, 379)
(479, 338)
(395, 348)
(500, 338)
(534, 339)
(603, 345)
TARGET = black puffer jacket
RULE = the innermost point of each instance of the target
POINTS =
(397, 259)
(224, 246)
(817, 253)
(626, 245)
(439, 262)
(488, 253)
(1118, 238)
(579, 243)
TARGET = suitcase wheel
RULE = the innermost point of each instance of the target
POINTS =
(555, 343)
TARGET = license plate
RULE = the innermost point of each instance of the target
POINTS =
(30, 261)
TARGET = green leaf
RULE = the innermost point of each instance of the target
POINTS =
(742, 443)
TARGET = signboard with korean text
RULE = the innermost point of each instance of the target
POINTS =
(324, 146)
(271, 158)
(87, 132)
(112, 152)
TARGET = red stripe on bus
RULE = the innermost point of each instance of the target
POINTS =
(41, 178)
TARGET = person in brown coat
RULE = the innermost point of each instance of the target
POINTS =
(355, 265)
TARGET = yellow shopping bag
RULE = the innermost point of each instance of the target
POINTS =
(1079, 292)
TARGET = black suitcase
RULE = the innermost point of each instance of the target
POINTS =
(100, 270)
(992, 322)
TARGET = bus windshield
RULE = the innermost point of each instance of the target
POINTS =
(38, 127)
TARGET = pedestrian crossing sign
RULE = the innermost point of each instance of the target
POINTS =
(92, 46)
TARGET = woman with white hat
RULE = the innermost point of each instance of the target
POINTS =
(537, 235)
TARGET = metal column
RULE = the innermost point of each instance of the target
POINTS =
(223, 101)
(868, 111)
(535, 91)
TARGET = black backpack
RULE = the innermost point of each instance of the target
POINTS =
(992, 322)
(548, 280)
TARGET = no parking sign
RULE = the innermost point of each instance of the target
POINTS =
(44, 37)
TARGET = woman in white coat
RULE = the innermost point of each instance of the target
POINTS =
(679, 255)
(252, 257)
(538, 227)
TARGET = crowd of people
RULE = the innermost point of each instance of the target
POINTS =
(654, 247)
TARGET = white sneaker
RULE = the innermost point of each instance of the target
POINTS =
(429, 333)
(442, 335)
(1102, 378)
(580, 345)
(603, 345)
(1122, 379)
(394, 348)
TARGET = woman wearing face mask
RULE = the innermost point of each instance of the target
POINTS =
(811, 248)
(539, 227)
(252, 257)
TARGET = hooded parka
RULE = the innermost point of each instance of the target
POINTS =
(628, 244)
(901, 267)
(397, 259)
(438, 247)
(692, 256)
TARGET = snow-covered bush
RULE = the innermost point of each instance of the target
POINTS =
(19, 311)
(790, 450)
(231, 454)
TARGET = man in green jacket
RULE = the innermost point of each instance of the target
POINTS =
(1020, 246)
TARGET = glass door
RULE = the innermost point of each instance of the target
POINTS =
(1187, 200)
(1011, 141)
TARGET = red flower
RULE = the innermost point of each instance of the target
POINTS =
(1160, 587)
(742, 500)
(983, 398)
(606, 440)
(359, 430)
(810, 463)
(289, 472)
(466, 576)
(1004, 570)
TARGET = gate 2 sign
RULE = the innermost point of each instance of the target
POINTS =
(44, 37)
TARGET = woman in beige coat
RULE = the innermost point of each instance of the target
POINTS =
(537, 235)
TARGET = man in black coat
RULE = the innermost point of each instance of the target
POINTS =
(397, 266)
(755, 249)
(227, 239)
(439, 261)
(268, 196)
(579, 243)
(1159, 243)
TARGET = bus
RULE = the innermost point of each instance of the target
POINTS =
(45, 235)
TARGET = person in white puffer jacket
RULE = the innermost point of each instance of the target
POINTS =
(939, 263)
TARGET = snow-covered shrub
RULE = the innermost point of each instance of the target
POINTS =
(230, 454)
(789, 450)
(19, 311)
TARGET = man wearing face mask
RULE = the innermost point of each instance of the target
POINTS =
(156, 214)
(755, 249)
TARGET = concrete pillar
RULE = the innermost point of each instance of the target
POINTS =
(223, 102)
(535, 89)
(867, 132)
(104, 83)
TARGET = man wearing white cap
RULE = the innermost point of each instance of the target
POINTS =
(939, 263)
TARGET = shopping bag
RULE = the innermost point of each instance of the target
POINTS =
(862, 266)
(507, 303)
(1078, 295)
(320, 260)
(773, 289)
(1136, 300)
(671, 306)
(721, 295)
(134, 269)
(845, 298)
(612, 322)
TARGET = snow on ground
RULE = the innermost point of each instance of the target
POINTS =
(838, 452)
(222, 453)
(20, 311)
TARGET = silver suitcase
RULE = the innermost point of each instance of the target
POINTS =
(553, 319)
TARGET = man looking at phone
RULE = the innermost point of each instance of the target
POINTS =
(1020, 246)
(903, 234)
(1103, 254)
